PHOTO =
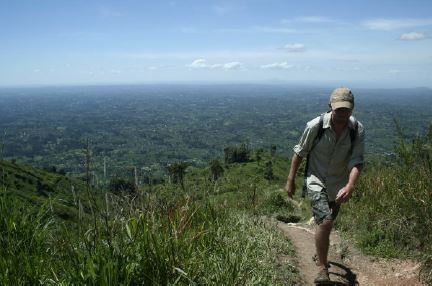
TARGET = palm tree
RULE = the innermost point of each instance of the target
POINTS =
(216, 169)
(177, 171)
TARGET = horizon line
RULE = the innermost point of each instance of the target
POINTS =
(356, 84)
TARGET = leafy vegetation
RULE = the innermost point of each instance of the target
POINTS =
(234, 154)
(390, 212)
(210, 231)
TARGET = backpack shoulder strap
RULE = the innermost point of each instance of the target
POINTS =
(320, 130)
(353, 133)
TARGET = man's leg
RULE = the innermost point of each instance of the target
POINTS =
(322, 241)
(325, 213)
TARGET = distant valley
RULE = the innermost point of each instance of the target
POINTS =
(150, 126)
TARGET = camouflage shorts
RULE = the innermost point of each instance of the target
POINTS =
(321, 208)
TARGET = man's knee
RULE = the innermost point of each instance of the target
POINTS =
(326, 225)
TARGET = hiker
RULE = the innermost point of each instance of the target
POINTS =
(333, 144)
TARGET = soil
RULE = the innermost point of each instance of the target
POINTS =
(348, 266)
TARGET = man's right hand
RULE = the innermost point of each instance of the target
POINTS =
(290, 188)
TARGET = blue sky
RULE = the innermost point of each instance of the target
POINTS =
(371, 43)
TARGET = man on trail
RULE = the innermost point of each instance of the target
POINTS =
(333, 144)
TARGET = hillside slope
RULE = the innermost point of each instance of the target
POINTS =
(36, 187)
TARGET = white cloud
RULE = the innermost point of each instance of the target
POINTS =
(256, 57)
(202, 64)
(259, 29)
(294, 47)
(412, 36)
(393, 24)
(213, 55)
(232, 66)
(278, 66)
(308, 19)
(199, 63)
(280, 30)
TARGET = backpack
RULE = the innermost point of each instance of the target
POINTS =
(353, 135)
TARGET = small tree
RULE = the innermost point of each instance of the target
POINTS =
(177, 171)
(228, 154)
(216, 169)
(268, 171)
(258, 155)
(120, 185)
(273, 150)
(234, 154)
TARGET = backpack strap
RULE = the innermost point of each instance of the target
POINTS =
(353, 133)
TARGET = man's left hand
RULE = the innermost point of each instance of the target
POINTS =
(343, 195)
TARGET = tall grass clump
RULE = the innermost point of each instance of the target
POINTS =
(25, 239)
(390, 212)
(161, 238)
(188, 243)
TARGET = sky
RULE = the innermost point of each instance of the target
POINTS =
(72, 42)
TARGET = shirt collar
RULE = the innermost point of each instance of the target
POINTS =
(327, 121)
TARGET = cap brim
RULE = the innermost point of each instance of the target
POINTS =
(342, 104)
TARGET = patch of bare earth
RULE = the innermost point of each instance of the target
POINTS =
(348, 266)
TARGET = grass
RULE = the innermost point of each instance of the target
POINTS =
(163, 235)
(207, 233)
(36, 187)
(390, 211)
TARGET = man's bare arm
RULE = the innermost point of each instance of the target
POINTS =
(290, 185)
(345, 193)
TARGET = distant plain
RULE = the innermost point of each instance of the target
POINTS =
(150, 126)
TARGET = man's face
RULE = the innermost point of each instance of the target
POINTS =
(341, 115)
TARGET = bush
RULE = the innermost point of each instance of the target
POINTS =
(121, 186)
(234, 154)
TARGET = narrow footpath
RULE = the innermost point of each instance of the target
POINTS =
(348, 266)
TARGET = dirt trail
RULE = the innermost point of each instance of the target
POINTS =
(347, 265)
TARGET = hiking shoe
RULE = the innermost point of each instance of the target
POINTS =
(323, 276)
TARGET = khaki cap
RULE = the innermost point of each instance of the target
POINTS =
(342, 97)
